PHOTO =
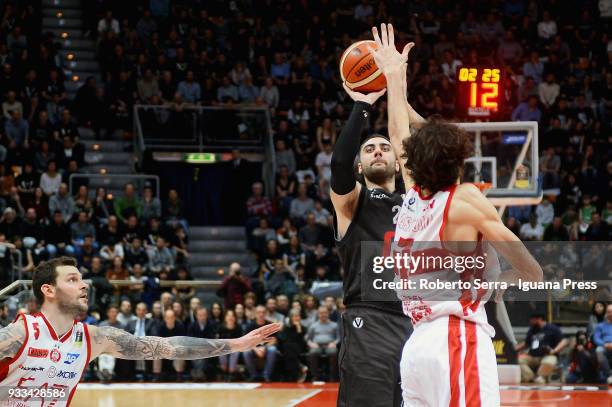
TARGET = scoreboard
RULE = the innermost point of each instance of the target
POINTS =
(478, 91)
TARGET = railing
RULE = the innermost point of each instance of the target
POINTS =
(137, 179)
(206, 129)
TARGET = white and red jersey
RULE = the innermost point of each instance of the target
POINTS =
(419, 232)
(46, 362)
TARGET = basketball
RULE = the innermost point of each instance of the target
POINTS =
(358, 69)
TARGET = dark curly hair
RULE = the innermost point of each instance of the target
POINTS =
(435, 154)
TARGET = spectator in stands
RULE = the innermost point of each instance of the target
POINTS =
(323, 162)
(509, 51)
(171, 327)
(80, 229)
(160, 257)
(301, 206)
(227, 92)
(173, 211)
(126, 316)
(257, 205)
(556, 231)
(151, 205)
(309, 234)
(234, 286)
(16, 130)
(322, 339)
(266, 353)
(111, 238)
(57, 236)
(107, 363)
(62, 202)
(50, 180)
(602, 338)
(147, 86)
(108, 23)
(543, 343)
(190, 90)
(10, 105)
(66, 127)
(141, 326)
(292, 342)
(598, 313)
(545, 212)
(583, 361)
(598, 230)
(135, 253)
(32, 231)
(229, 330)
(269, 93)
(128, 204)
(102, 206)
(532, 230)
(202, 327)
(528, 111)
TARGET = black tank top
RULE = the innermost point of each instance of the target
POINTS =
(373, 219)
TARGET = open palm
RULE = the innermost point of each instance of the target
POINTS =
(256, 337)
(386, 56)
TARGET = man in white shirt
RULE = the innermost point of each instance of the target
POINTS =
(548, 90)
(532, 230)
(323, 162)
(545, 212)
(108, 23)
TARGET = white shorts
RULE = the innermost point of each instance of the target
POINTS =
(449, 362)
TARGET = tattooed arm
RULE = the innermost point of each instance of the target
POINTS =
(124, 345)
(11, 339)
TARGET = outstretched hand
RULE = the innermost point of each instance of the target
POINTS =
(369, 98)
(259, 336)
(386, 56)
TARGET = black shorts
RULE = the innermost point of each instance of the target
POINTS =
(369, 359)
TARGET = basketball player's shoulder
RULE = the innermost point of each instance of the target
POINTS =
(467, 193)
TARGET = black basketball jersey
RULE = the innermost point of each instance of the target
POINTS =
(373, 221)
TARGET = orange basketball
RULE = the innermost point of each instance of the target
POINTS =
(358, 69)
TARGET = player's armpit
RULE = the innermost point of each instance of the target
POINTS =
(475, 209)
(11, 339)
(345, 206)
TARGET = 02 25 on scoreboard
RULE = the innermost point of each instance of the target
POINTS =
(478, 91)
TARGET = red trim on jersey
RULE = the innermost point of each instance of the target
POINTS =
(88, 340)
(5, 364)
(52, 331)
(471, 376)
(454, 359)
(446, 208)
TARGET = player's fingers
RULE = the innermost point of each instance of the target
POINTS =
(391, 34)
(376, 36)
(383, 35)
(407, 49)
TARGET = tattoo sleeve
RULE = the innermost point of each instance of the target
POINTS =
(127, 346)
(11, 339)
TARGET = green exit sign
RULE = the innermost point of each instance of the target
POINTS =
(200, 158)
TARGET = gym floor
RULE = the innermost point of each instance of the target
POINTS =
(301, 395)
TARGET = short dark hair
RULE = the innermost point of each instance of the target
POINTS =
(435, 154)
(46, 273)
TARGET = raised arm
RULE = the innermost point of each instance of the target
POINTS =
(11, 339)
(123, 345)
(394, 65)
(344, 188)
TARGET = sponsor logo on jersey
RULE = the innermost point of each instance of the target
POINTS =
(378, 195)
(71, 357)
(52, 372)
(55, 355)
(78, 341)
(64, 374)
(32, 368)
(358, 322)
(411, 201)
(38, 353)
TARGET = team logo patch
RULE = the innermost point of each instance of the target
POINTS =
(411, 201)
(52, 372)
(358, 322)
(38, 353)
(55, 355)
(71, 357)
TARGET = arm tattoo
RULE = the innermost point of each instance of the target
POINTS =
(11, 339)
(128, 346)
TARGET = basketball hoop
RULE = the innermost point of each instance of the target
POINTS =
(483, 186)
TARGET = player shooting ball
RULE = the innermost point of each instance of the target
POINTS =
(449, 359)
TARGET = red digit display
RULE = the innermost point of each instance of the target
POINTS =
(478, 90)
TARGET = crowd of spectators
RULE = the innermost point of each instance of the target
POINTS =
(226, 53)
